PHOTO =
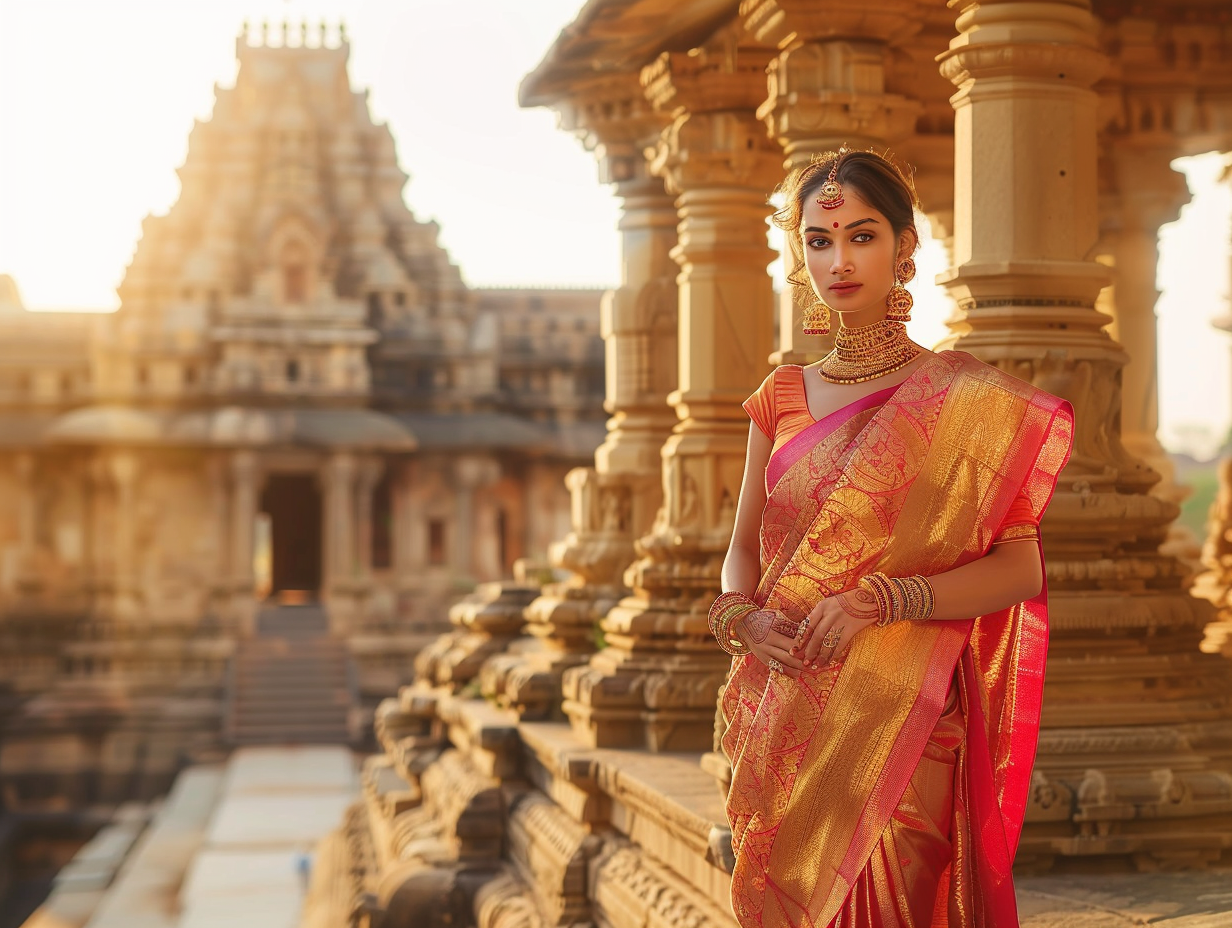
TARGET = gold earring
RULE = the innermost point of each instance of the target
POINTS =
(816, 318)
(898, 300)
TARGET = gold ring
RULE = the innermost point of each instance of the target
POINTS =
(833, 637)
(774, 665)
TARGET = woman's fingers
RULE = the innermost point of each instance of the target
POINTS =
(823, 639)
(778, 647)
(809, 625)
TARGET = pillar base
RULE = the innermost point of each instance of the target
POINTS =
(562, 634)
(484, 624)
(634, 694)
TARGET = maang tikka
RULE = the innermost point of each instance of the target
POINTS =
(898, 300)
(830, 196)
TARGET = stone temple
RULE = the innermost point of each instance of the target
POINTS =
(299, 402)
(555, 761)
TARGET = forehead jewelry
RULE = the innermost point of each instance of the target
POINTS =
(830, 196)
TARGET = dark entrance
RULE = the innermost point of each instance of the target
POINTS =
(293, 504)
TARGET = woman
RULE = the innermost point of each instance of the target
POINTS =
(884, 596)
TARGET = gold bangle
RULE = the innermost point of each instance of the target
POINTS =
(727, 609)
(900, 598)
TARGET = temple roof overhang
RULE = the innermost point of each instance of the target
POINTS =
(232, 426)
(611, 37)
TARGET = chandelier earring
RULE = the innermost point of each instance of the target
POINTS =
(815, 319)
(898, 300)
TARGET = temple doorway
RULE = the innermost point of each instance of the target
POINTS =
(292, 504)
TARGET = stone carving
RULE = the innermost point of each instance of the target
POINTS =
(1215, 583)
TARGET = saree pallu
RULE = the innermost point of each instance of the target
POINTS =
(823, 799)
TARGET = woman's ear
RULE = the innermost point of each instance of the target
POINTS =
(908, 242)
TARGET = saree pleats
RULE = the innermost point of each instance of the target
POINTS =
(836, 807)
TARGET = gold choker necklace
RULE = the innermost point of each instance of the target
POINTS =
(868, 352)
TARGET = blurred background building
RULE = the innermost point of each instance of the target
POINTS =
(299, 404)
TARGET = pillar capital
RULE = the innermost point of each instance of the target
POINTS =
(1011, 40)
(727, 149)
(1149, 193)
(784, 23)
(613, 119)
(713, 140)
(724, 75)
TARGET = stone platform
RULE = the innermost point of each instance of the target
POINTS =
(1170, 900)
(225, 851)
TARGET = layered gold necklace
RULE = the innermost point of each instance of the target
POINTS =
(869, 352)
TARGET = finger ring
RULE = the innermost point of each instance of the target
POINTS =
(832, 638)
(774, 665)
(804, 624)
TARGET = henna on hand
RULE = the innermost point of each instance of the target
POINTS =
(861, 605)
(758, 625)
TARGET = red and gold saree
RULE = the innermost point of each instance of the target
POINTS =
(889, 788)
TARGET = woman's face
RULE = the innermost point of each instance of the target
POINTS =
(850, 254)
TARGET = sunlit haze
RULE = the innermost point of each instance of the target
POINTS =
(97, 100)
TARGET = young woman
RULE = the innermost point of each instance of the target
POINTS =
(884, 598)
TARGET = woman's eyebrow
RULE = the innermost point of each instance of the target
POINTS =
(851, 225)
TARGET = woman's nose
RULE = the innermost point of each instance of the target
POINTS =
(838, 261)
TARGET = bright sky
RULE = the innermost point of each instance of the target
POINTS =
(97, 99)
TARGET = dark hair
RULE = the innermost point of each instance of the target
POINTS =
(879, 182)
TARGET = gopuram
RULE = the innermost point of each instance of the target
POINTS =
(575, 778)
(298, 404)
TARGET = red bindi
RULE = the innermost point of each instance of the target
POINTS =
(836, 225)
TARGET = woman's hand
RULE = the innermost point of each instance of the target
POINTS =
(832, 624)
(770, 635)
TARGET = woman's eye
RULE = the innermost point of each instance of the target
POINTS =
(817, 242)
(862, 237)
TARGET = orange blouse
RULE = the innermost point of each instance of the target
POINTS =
(779, 407)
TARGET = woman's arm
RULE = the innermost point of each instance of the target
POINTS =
(742, 565)
(1008, 574)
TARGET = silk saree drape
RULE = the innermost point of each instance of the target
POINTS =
(823, 765)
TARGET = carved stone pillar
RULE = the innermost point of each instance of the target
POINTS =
(123, 470)
(656, 682)
(614, 502)
(27, 578)
(244, 492)
(464, 521)
(826, 88)
(1132, 711)
(368, 475)
(1146, 194)
(220, 506)
(338, 584)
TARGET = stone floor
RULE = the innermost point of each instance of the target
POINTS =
(1167, 900)
(226, 850)
(276, 804)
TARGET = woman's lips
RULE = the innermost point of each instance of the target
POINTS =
(844, 287)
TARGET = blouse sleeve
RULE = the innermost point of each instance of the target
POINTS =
(1019, 523)
(760, 406)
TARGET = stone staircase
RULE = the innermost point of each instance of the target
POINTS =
(291, 683)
